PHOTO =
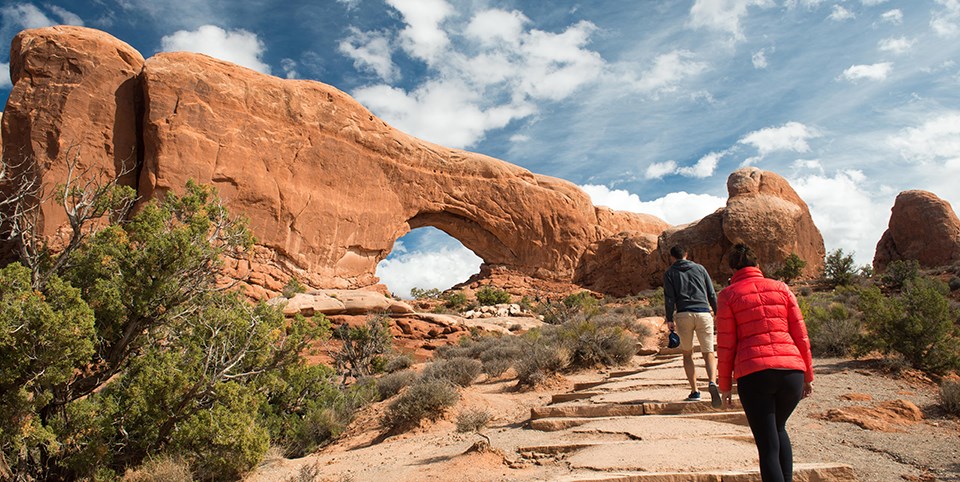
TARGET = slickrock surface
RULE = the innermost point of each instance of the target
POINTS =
(922, 227)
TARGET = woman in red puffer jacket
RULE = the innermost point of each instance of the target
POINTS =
(762, 342)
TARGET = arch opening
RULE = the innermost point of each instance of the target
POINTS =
(426, 258)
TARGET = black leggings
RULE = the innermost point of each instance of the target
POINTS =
(768, 398)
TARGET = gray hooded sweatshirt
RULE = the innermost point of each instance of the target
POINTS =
(688, 287)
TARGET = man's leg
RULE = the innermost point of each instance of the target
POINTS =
(686, 326)
(704, 330)
(710, 360)
(690, 369)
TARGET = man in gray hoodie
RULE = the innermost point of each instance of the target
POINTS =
(688, 291)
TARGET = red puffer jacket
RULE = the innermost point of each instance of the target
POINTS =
(759, 326)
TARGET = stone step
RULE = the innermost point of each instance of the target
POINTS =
(568, 397)
(627, 410)
(814, 472)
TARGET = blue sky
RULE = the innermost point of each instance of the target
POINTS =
(647, 105)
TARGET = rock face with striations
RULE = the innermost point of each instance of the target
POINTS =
(922, 227)
(76, 96)
(329, 187)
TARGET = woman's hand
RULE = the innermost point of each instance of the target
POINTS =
(807, 390)
(727, 398)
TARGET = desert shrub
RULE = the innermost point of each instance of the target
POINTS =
(920, 325)
(834, 330)
(650, 303)
(363, 349)
(540, 360)
(426, 399)
(954, 283)
(792, 268)
(459, 371)
(899, 272)
(397, 363)
(838, 269)
(455, 300)
(950, 395)
(593, 343)
(421, 294)
(499, 358)
(310, 473)
(473, 420)
(292, 288)
(163, 468)
(489, 295)
(581, 304)
(391, 383)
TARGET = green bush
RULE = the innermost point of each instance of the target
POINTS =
(950, 395)
(397, 363)
(899, 272)
(363, 348)
(920, 325)
(792, 268)
(292, 288)
(954, 283)
(540, 360)
(460, 371)
(489, 295)
(651, 303)
(838, 269)
(421, 294)
(455, 300)
(473, 420)
(391, 383)
(832, 328)
(426, 399)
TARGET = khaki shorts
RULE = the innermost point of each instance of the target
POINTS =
(701, 323)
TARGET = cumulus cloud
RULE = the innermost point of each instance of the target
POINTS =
(759, 59)
(674, 208)
(659, 169)
(439, 269)
(935, 141)
(370, 51)
(946, 22)
(896, 45)
(66, 17)
(812, 164)
(871, 3)
(238, 46)
(792, 136)
(894, 16)
(856, 73)
(667, 70)
(480, 75)
(840, 14)
(842, 207)
(723, 15)
(705, 167)
(5, 82)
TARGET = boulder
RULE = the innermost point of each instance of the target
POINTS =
(340, 302)
(922, 227)
(76, 96)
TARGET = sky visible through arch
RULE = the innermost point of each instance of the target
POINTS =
(647, 105)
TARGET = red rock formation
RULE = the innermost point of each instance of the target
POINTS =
(922, 227)
(75, 94)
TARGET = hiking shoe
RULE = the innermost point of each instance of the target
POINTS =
(694, 397)
(715, 400)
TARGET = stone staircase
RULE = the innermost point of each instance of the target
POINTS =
(630, 427)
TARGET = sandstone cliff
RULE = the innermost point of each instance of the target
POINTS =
(922, 227)
(329, 187)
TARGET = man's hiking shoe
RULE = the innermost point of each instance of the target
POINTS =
(694, 397)
(715, 400)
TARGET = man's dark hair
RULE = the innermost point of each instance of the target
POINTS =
(678, 252)
(741, 256)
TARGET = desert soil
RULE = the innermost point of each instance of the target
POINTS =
(620, 447)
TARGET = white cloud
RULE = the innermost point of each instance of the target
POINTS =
(5, 82)
(897, 45)
(659, 169)
(810, 4)
(674, 208)
(705, 167)
(935, 141)
(25, 15)
(871, 3)
(894, 16)
(812, 164)
(869, 72)
(423, 36)
(792, 136)
(519, 138)
(289, 67)
(841, 14)
(439, 269)
(759, 59)
(946, 22)
(668, 69)
(66, 17)
(494, 74)
(370, 51)
(723, 15)
(237, 46)
(842, 207)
